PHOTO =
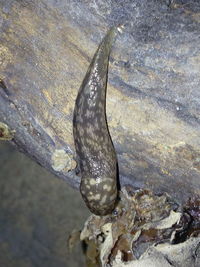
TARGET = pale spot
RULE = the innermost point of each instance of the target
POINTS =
(107, 187)
(89, 129)
(113, 196)
(92, 181)
(85, 181)
(102, 120)
(80, 130)
(88, 114)
(103, 200)
(98, 180)
(101, 105)
(94, 197)
(108, 180)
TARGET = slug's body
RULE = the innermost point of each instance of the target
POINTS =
(94, 148)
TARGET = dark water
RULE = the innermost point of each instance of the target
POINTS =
(37, 213)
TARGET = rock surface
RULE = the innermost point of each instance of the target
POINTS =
(153, 99)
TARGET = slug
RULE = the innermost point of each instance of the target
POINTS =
(94, 148)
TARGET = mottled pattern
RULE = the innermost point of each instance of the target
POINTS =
(94, 148)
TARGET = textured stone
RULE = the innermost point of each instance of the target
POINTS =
(153, 88)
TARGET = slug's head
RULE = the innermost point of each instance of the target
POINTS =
(99, 194)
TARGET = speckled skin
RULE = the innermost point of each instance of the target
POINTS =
(94, 148)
